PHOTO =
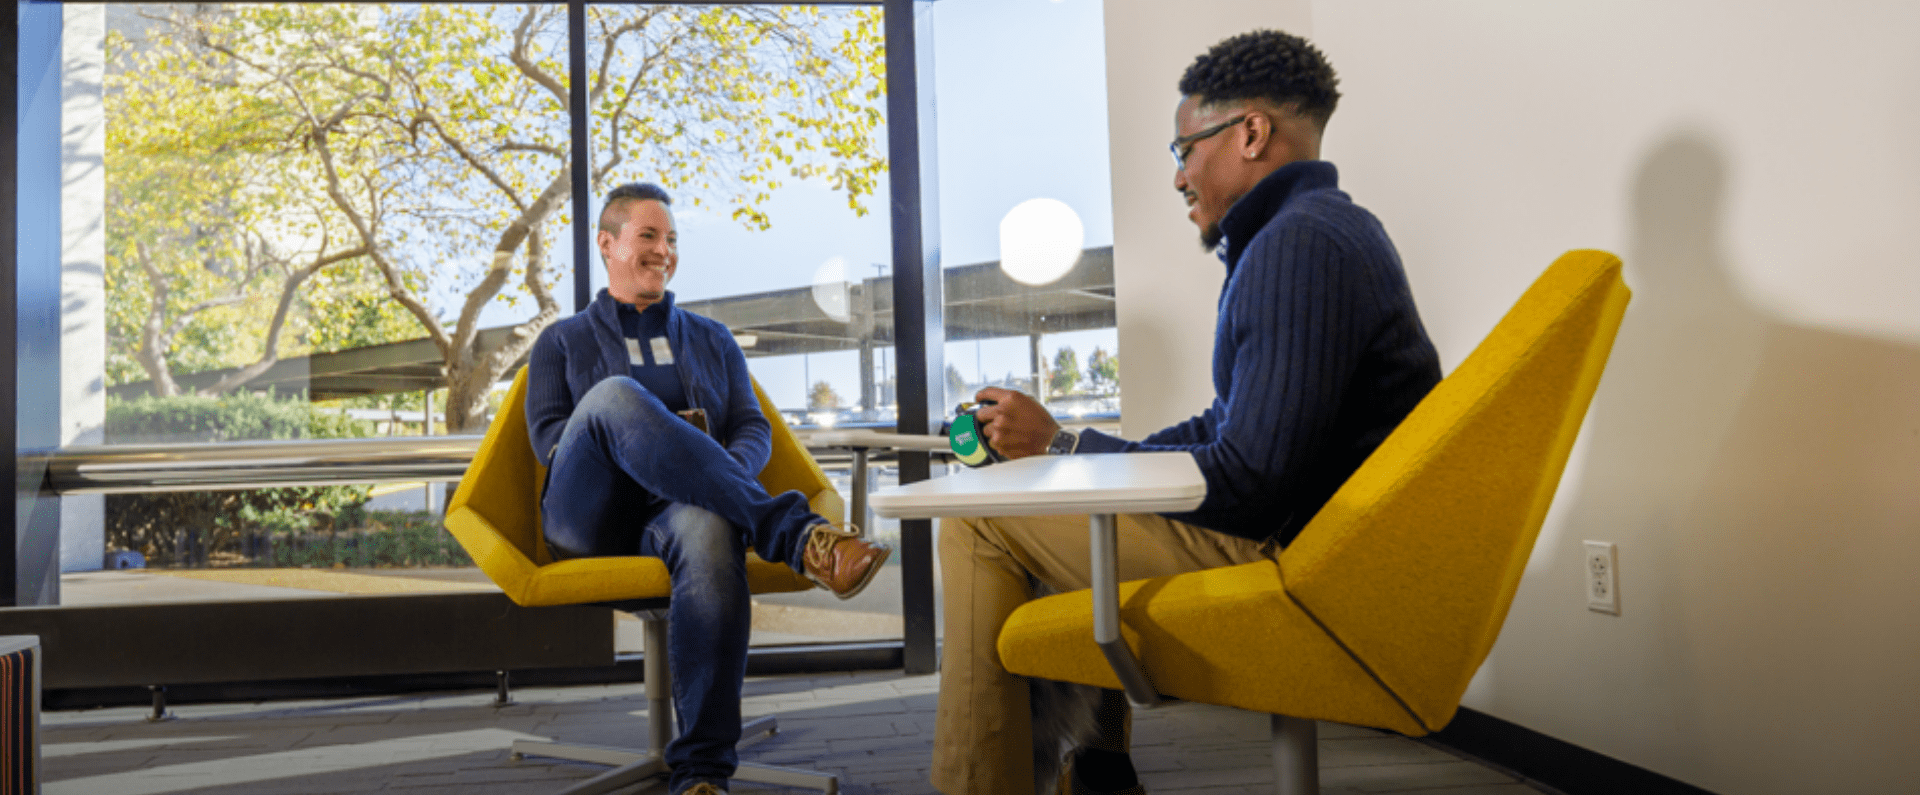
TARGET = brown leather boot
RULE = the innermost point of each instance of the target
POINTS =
(841, 561)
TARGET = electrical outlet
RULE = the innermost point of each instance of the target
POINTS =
(1603, 577)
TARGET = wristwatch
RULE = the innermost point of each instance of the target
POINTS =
(1064, 443)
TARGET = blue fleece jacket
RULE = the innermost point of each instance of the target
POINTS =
(1317, 355)
(577, 352)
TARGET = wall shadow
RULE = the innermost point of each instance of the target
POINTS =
(1763, 480)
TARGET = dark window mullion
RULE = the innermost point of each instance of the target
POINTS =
(919, 331)
(582, 187)
(9, 288)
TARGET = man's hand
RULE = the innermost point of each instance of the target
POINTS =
(1016, 425)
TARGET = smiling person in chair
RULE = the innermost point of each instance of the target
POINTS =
(654, 440)
(1317, 355)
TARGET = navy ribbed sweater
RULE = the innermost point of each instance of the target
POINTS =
(1318, 354)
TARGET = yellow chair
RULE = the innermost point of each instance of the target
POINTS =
(495, 515)
(1382, 609)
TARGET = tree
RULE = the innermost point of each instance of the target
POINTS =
(821, 397)
(1066, 372)
(428, 145)
(1103, 372)
(211, 261)
(958, 390)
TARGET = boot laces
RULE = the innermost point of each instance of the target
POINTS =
(825, 536)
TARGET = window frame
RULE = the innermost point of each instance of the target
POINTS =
(916, 294)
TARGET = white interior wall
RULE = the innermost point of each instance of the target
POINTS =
(1754, 447)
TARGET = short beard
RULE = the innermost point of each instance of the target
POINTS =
(1210, 238)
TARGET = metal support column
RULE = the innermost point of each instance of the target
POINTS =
(861, 483)
(9, 296)
(426, 429)
(1296, 756)
(1039, 363)
(868, 324)
(577, 76)
(919, 326)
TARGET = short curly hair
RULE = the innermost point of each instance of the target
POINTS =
(1265, 64)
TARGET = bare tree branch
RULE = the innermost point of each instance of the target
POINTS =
(522, 36)
(558, 191)
(610, 38)
(289, 287)
(466, 400)
(154, 341)
(396, 287)
(428, 118)
(615, 155)
(545, 149)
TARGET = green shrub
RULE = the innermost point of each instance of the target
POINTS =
(234, 417)
(189, 528)
(390, 539)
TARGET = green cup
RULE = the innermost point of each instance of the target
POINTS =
(964, 438)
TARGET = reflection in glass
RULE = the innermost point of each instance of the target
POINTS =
(1040, 240)
(831, 290)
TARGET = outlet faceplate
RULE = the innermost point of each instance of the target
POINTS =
(1603, 577)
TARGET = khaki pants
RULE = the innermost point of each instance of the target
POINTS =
(983, 734)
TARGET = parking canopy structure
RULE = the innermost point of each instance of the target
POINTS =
(982, 302)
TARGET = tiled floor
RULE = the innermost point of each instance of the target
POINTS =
(873, 729)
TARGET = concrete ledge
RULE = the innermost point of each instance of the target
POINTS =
(202, 642)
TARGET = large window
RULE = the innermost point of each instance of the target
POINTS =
(352, 219)
(768, 122)
(285, 183)
(325, 220)
(1026, 212)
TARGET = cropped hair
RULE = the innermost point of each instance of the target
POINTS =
(613, 213)
(1280, 68)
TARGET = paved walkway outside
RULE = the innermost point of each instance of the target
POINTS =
(874, 729)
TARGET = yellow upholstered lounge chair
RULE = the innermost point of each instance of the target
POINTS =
(1381, 610)
(495, 515)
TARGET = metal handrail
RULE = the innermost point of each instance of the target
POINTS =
(210, 466)
(202, 466)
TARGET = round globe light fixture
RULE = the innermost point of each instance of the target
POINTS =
(1040, 240)
(830, 290)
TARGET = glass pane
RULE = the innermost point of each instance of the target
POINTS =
(314, 220)
(766, 125)
(349, 204)
(1026, 218)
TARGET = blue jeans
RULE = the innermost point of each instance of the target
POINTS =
(631, 478)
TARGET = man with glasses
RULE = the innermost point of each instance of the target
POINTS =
(1318, 354)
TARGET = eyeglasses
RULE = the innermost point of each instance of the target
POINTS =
(1183, 145)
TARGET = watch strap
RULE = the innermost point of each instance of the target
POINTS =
(1064, 443)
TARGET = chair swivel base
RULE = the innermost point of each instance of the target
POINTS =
(631, 767)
